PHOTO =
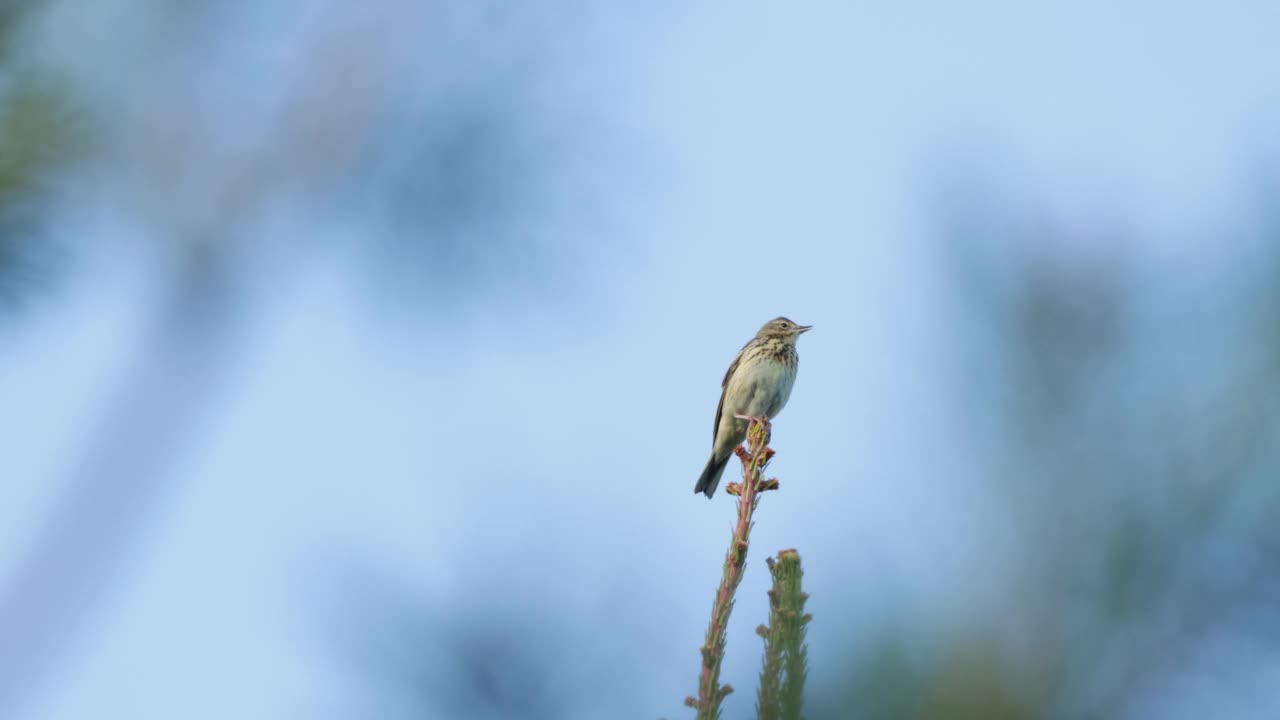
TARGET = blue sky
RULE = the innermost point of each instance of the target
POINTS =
(722, 165)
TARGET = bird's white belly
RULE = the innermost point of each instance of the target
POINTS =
(763, 392)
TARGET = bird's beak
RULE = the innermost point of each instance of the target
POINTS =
(803, 329)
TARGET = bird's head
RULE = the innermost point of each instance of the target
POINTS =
(783, 328)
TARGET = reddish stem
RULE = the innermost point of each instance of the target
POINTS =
(710, 692)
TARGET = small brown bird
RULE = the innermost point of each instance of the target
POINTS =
(757, 384)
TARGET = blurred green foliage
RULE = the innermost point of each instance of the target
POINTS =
(1127, 426)
(39, 135)
(36, 133)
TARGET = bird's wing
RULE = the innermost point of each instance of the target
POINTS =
(724, 388)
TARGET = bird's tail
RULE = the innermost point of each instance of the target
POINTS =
(711, 475)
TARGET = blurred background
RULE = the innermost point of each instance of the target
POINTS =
(358, 360)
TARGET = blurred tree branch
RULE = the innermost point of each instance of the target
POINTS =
(1120, 414)
(204, 209)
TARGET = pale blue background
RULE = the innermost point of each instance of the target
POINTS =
(503, 438)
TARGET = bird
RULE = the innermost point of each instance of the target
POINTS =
(757, 384)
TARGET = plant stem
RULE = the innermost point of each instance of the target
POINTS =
(768, 704)
(710, 692)
(788, 630)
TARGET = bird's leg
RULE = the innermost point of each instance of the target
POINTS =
(763, 421)
(765, 428)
